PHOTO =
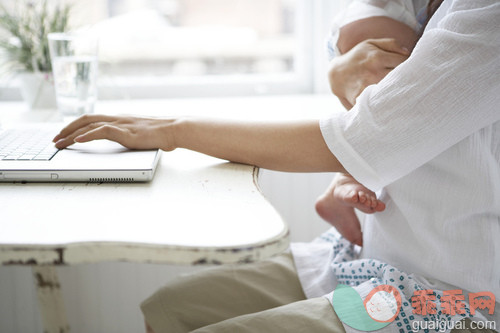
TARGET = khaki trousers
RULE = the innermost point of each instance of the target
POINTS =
(261, 297)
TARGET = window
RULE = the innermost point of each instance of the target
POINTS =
(176, 48)
(198, 37)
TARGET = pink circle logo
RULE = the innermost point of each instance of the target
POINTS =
(383, 303)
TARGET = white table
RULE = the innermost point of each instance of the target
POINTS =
(197, 210)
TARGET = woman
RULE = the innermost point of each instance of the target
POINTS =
(427, 137)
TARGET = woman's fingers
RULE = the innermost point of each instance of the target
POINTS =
(365, 64)
(105, 131)
(379, 58)
(68, 140)
(392, 60)
(94, 131)
(389, 45)
(81, 122)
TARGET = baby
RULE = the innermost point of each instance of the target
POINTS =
(336, 205)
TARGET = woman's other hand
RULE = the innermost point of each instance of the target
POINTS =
(365, 64)
(131, 132)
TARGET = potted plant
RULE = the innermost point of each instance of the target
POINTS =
(24, 47)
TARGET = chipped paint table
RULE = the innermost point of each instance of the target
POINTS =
(197, 210)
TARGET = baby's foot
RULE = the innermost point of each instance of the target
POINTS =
(336, 206)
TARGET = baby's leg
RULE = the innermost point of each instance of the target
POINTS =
(336, 206)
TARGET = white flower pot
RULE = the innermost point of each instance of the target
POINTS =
(38, 90)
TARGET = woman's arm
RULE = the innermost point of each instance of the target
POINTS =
(284, 146)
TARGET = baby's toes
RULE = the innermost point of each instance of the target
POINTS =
(368, 199)
(363, 198)
(380, 206)
(351, 197)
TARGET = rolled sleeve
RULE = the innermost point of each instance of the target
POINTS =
(332, 132)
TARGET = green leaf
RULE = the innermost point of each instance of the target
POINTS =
(30, 24)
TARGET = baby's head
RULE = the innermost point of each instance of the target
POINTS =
(376, 27)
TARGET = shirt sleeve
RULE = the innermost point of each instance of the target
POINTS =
(447, 90)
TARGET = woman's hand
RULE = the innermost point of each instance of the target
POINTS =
(365, 64)
(131, 132)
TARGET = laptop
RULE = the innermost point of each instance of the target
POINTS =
(27, 154)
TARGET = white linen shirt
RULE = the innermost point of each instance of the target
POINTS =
(429, 135)
(427, 138)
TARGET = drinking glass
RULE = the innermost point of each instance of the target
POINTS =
(74, 66)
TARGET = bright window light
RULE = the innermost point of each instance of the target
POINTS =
(181, 48)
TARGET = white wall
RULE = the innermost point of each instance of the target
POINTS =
(294, 196)
(104, 297)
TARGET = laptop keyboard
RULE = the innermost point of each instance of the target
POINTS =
(27, 145)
